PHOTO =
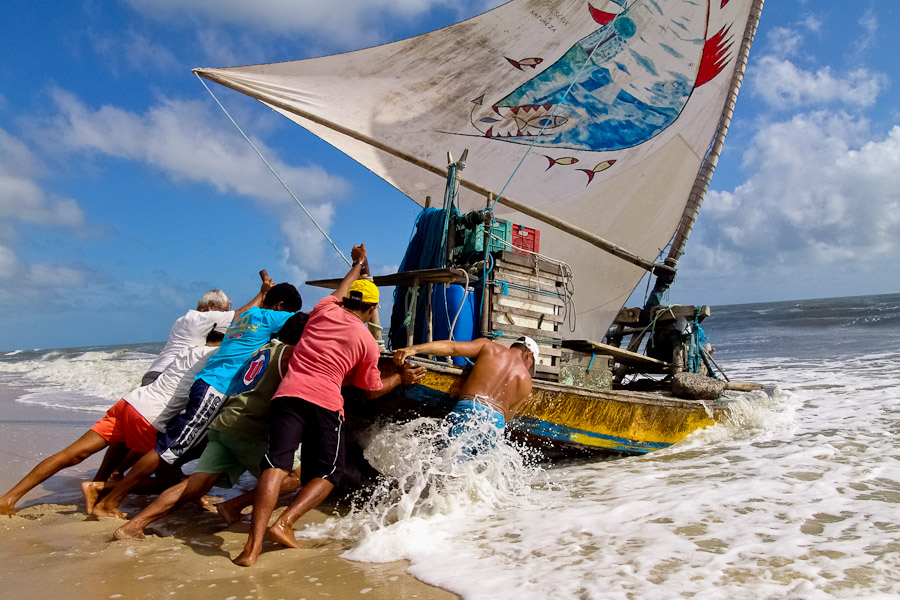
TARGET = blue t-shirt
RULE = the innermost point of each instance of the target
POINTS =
(249, 331)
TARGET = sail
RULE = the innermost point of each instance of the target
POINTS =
(597, 112)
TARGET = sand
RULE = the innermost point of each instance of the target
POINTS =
(52, 549)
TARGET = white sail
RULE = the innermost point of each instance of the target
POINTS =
(612, 103)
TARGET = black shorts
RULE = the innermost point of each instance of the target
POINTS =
(294, 421)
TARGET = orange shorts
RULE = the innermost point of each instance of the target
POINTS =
(123, 423)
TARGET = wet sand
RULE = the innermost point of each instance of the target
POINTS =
(52, 549)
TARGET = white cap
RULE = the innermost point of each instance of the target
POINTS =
(530, 344)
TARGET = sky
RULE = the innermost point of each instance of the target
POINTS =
(125, 192)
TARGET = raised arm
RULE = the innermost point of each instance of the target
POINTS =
(442, 348)
(267, 284)
(358, 269)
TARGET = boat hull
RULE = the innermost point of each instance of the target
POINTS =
(564, 420)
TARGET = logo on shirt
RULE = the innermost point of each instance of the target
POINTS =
(255, 369)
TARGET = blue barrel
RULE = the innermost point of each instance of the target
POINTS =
(445, 311)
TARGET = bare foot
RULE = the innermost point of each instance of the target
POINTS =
(228, 514)
(283, 534)
(128, 531)
(91, 492)
(102, 512)
(7, 509)
(247, 558)
(206, 504)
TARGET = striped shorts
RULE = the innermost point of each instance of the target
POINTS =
(189, 428)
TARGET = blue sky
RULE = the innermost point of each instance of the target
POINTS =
(125, 192)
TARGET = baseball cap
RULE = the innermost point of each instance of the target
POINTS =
(530, 344)
(364, 290)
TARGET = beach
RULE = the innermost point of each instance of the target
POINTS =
(52, 549)
(794, 495)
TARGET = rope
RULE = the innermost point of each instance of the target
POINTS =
(277, 176)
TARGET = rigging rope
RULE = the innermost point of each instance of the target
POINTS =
(277, 176)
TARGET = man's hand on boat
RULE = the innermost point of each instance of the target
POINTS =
(410, 373)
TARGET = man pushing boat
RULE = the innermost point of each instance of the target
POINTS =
(308, 406)
(496, 388)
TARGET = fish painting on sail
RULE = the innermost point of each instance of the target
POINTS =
(619, 86)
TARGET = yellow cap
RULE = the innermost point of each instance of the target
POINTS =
(365, 290)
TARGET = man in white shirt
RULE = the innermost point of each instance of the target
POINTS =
(213, 310)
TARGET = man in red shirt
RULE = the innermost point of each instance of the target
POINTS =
(308, 406)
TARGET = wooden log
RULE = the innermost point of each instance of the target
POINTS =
(628, 316)
(411, 328)
(739, 386)
(679, 311)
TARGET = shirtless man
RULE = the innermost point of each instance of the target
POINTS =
(499, 382)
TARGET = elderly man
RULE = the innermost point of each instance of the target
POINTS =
(190, 329)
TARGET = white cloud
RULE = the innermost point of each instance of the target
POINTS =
(24, 201)
(133, 50)
(342, 21)
(783, 41)
(821, 199)
(783, 84)
(181, 139)
(869, 24)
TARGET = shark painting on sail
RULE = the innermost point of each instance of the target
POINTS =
(617, 87)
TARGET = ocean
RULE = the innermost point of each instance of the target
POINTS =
(796, 496)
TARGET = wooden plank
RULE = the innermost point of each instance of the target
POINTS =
(530, 282)
(508, 256)
(554, 300)
(529, 331)
(501, 318)
(405, 278)
(628, 316)
(680, 311)
(632, 359)
(526, 312)
(501, 302)
(545, 350)
(511, 268)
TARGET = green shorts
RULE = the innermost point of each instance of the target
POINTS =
(231, 454)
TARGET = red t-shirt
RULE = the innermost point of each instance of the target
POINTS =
(334, 344)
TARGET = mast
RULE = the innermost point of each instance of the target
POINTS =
(664, 279)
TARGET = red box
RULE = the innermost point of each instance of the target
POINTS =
(526, 238)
